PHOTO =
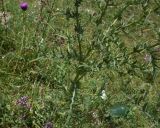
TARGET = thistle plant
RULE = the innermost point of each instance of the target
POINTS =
(82, 63)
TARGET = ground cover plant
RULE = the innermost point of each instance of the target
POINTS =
(80, 64)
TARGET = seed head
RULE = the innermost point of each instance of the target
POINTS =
(148, 58)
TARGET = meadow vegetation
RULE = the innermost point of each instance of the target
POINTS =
(80, 64)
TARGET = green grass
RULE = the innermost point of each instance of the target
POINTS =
(62, 56)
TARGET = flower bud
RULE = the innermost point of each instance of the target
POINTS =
(24, 6)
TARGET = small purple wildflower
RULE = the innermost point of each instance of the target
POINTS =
(48, 125)
(24, 6)
(23, 102)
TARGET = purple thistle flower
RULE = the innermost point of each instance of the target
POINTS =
(24, 6)
(48, 125)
